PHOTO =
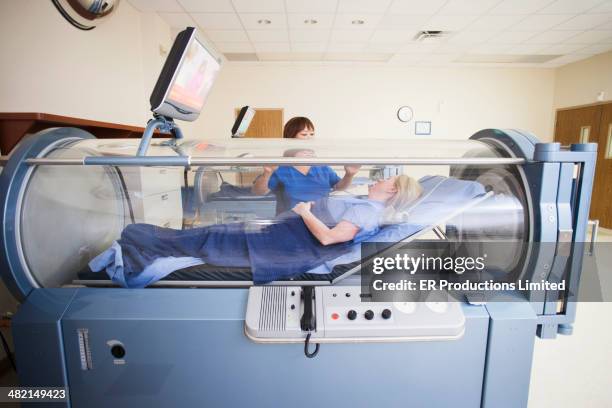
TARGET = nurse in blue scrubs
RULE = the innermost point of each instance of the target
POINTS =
(295, 184)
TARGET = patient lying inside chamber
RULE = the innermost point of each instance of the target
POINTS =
(291, 244)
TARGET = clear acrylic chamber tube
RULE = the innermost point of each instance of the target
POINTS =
(69, 213)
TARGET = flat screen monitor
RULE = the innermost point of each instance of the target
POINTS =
(186, 78)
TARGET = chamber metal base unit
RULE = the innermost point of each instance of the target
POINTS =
(228, 343)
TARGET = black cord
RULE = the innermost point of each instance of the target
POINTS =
(8, 351)
(306, 351)
(126, 194)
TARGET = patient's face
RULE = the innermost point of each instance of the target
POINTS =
(386, 186)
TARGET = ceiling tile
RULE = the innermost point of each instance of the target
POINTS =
(177, 20)
(227, 35)
(277, 36)
(392, 36)
(217, 21)
(356, 57)
(519, 7)
(405, 21)
(307, 56)
(416, 6)
(383, 48)
(297, 20)
(309, 47)
(467, 7)
(513, 37)
(540, 22)
(350, 36)
(551, 37)
(234, 47)
(586, 22)
(494, 23)
(406, 59)
(605, 26)
(363, 6)
(157, 5)
(448, 23)
(489, 48)
(207, 6)
(311, 6)
(471, 37)
(309, 35)
(418, 48)
(567, 59)
(569, 6)
(274, 56)
(259, 6)
(346, 47)
(595, 49)
(251, 21)
(560, 49)
(272, 47)
(524, 49)
(605, 7)
(447, 48)
(345, 21)
(439, 58)
(591, 37)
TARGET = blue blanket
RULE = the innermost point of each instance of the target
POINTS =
(280, 250)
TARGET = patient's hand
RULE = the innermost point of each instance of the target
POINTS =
(302, 208)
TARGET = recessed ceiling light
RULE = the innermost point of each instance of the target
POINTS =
(358, 22)
(264, 21)
(310, 21)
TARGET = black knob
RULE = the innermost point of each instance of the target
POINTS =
(386, 314)
(118, 351)
(352, 315)
(369, 315)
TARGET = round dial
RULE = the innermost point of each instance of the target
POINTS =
(405, 113)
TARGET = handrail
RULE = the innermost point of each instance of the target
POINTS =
(186, 161)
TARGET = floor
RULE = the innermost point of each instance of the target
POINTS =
(574, 371)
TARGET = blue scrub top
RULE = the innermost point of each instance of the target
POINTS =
(297, 187)
(363, 213)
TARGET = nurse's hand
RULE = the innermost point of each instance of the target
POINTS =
(302, 208)
(352, 170)
(269, 169)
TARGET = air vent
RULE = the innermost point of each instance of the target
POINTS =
(505, 59)
(242, 56)
(272, 312)
(430, 35)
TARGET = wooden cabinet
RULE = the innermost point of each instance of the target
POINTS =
(15, 125)
(593, 124)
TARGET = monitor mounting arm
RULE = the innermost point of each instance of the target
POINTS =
(162, 123)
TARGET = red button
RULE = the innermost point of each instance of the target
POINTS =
(335, 316)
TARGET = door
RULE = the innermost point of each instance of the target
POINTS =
(603, 178)
(267, 123)
(591, 124)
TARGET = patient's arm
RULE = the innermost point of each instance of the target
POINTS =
(344, 231)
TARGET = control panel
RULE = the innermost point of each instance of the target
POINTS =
(276, 314)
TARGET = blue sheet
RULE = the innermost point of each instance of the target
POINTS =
(286, 248)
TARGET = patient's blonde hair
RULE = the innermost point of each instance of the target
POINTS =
(408, 190)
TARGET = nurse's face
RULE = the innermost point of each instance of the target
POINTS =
(305, 133)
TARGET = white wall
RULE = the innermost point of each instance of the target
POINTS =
(103, 74)
(362, 100)
(580, 82)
